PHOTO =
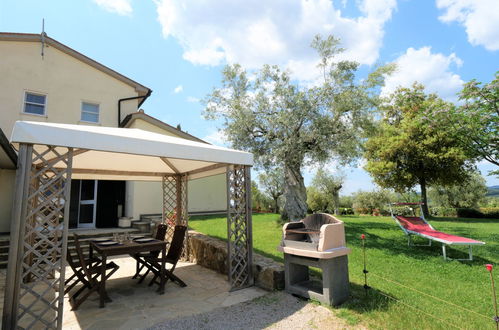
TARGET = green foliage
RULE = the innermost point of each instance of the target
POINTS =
(469, 193)
(369, 202)
(407, 151)
(346, 201)
(283, 123)
(316, 201)
(272, 182)
(490, 212)
(479, 119)
(259, 200)
(325, 193)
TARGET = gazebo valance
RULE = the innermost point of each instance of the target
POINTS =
(120, 153)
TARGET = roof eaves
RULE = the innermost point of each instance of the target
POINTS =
(7, 147)
(152, 120)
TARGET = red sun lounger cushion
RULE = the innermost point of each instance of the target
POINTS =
(417, 225)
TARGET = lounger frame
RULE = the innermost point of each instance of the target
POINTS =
(444, 243)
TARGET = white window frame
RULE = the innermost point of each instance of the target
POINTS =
(82, 111)
(25, 94)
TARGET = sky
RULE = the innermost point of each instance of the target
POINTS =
(178, 48)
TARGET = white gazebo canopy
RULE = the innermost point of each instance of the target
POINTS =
(109, 153)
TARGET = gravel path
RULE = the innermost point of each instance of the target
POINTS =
(276, 310)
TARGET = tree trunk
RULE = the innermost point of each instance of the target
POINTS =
(276, 204)
(336, 200)
(295, 193)
(424, 199)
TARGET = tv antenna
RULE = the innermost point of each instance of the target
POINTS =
(42, 36)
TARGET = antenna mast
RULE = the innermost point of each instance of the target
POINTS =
(42, 36)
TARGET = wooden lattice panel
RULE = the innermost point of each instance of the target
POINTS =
(39, 278)
(239, 227)
(175, 210)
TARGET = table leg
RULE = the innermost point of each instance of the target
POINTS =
(102, 288)
(162, 271)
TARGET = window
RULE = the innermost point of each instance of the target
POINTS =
(90, 112)
(35, 103)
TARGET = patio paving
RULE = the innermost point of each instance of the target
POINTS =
(138, 306)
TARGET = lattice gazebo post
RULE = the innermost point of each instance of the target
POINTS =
(34, 292)
(239, 231)
(175, 205)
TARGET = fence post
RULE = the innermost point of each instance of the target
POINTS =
(494, 298)
(363, 238)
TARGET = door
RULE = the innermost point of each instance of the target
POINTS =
(110, 203)
(87, 203)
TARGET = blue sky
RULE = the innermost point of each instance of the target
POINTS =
(177, 48)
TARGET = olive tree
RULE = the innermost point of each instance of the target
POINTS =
(272, 182)
(329, 185)
(469, 193)
(287, 124)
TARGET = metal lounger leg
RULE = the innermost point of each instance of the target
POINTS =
(471, 253)
(444, 252)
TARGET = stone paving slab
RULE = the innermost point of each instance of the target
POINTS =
(138, 306)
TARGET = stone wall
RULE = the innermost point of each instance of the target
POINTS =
(212, 253)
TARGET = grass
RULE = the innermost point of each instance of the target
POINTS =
(421, 271)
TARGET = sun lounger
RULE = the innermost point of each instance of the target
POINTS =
(420, 227)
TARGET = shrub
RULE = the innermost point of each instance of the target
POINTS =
(466, 212)
(443, 211)
(346, 211)
(490, 212)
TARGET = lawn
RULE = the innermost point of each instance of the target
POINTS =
(421, 271)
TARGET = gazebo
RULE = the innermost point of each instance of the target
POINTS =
(50, 155)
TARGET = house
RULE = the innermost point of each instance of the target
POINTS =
(45, 80)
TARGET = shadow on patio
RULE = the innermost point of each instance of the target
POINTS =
(138, 306)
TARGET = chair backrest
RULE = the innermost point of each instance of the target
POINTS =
(161, 232)
(81, 258)
(175, 250)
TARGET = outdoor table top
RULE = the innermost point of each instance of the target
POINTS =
(128, 247)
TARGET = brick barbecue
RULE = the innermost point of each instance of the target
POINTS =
(316, 241)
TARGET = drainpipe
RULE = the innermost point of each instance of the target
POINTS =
(144, 97)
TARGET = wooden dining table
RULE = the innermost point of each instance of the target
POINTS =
(127, 248)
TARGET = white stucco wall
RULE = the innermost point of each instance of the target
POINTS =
(66, 82)
(204, 195)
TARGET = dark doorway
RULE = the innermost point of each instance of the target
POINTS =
(110, 203)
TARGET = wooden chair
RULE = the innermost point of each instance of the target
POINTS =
(139, 257)
(172, 257)
(78, 276)
(89, 275)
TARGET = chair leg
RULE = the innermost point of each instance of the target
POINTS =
(444, 252)
(138, 270)
(142, 278)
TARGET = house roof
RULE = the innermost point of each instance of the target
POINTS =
(129, 119)
(33, 37)
(8, 156)
(109, 153)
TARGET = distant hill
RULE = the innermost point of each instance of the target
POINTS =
(493, 191)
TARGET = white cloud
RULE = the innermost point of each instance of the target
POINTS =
(255, 32)
(217, 138)
(433, 70)
(120, 7)
(178, 89)
(192, 99)
(479, 17)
